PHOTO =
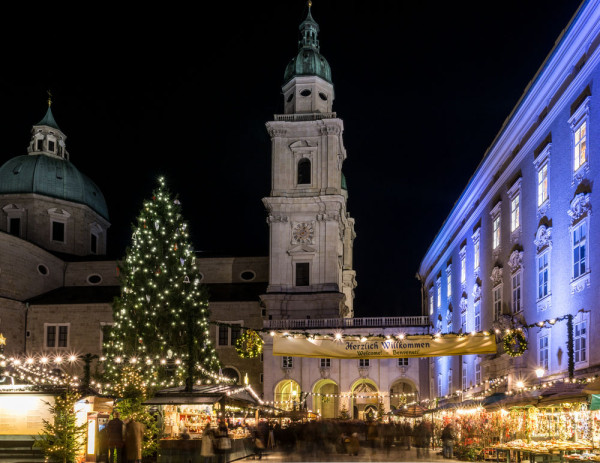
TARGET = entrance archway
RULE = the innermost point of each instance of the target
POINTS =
(287, 395)
(401, 392)
(325, 398)
(365, 398)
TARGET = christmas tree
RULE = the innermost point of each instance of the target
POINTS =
(160, 335)
(62, 439)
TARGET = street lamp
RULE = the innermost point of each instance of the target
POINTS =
(539, 372)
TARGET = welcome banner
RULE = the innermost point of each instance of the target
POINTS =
(410, 346)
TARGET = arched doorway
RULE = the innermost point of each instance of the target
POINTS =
(232, 373)
(287, 395)
(402, 391)
(325, 398)
(365, 399)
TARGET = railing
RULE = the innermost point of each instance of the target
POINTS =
(304, 117)
(372, 322)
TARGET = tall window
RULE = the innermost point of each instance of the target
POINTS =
(302, 274)
(477, 372)
(478, 317)
(14, 226)
(93, 243)
(450, 381)
(304, 171)
(515, 220)
(449, 283)
(580, 143)
(543, 275)
(464, 376)
(516, 292)
(580, 342)
(542, 186)
(58, 231)
(497, 302)
(236, 331)
(496, 232)
(431, 302)
(223, 335)
(543, 350)
(463, 269)
(476, 255)
(439, 386)
(439, 293)
(579, 249)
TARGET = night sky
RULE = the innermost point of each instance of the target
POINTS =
(422, 87)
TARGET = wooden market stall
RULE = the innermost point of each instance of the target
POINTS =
(180, 410)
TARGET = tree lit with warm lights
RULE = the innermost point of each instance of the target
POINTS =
(160, 334)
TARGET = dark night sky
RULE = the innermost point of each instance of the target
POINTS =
(422, 87)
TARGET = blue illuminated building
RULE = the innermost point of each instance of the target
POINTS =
(520, 245)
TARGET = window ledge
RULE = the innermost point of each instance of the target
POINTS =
(580, 283)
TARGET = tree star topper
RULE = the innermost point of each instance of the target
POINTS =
(2, 340)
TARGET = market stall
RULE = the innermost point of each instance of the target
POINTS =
(180, 410)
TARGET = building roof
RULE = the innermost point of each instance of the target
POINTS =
(235, 292)
(77, 295)
(308, 61)
(48, 120)
(51, 176)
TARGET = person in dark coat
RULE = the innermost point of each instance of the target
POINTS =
(448, 441)
(114, 429)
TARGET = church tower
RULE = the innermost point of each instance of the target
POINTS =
(311, 233)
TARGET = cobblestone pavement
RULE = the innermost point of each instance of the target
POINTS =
(365, 454)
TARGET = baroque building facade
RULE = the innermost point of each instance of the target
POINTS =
(518, 247)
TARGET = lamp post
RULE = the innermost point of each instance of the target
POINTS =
(539, 372)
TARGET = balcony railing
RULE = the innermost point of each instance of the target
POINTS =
(304, 117)
(371, 322)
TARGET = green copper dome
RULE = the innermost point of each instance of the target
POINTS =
(308, 61)
(51, 176)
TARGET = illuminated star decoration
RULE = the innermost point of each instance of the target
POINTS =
(2, 340)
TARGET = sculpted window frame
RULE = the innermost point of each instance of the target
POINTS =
(579, 234)
(579, 123)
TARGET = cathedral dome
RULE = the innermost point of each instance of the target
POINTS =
(308, 61)
(51, 176)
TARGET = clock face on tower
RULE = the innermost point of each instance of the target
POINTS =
(303, 232)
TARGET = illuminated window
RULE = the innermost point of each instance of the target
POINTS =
(449, 282)
(477, 372)
(497, 293)
(496, 233)
(515, 220)
(476, 255)
(580, 342)
(543, 275)
(439, 293)
(543, 350)
(450, 381)
(463, 269)
(430, 302)
(580, 144)
(542, 185)
(579, 249)
(516, 292)
(464, 376)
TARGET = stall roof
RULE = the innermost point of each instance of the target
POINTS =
(205, 394)
(563, 392)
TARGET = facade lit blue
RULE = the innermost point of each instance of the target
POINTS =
(528, 209)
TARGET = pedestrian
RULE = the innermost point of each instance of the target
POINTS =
(354, 445)
(448, 441)
(134, 436)
(223, 441)
(115, 430)
(421, 440)
(207, 450)
(259, 444)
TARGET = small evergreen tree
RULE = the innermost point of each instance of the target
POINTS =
(62, 439)
(161, 327)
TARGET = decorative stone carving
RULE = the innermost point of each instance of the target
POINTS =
(580, 284)
(515, 261)
(543, 237)
(543, 209)
(580, 206)
(330, 130)
(276, 132)
(496, 276)
(277, 218)
(325, 372)
(476, 292)
(363, 372)
(544, 304)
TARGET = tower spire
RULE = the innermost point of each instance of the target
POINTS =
(308, 31)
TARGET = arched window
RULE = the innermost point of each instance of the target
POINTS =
(304, 171)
